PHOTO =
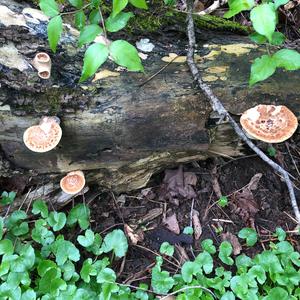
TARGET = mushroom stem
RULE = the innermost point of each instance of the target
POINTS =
(42, 63)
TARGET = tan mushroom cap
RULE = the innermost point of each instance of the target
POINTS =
(269, 123)
(73, 182)
(43, 137)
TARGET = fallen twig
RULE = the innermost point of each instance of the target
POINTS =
(220, 109)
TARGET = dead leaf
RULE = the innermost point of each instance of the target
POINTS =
(134, 237)
(104, 74)
(228, 236)
(172, 223)
(196, 224)
(252, 185)
(173, 57)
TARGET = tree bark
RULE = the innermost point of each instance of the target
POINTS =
(116, 130)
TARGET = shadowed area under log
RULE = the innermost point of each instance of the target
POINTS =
(115, 130)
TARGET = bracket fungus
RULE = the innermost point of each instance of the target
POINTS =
(269, 123)
(73, 182)
(43, 137)
(42, 62)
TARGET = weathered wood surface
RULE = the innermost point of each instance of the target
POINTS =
(118, 132)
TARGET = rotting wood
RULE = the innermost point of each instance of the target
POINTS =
(118, 133)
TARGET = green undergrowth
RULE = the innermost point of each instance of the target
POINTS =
(41, 258)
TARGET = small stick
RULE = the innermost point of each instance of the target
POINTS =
(220, 109)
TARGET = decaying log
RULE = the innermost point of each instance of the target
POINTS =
(116, 130)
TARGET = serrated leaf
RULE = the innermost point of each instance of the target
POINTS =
(76, 3)
(114, 24)
(139, 3)
(126, 55)
(94, 17)
(54, 30)
(49, 7)
(278, 3)
(94, 57)
(264, 19)
(118, 6)
(88, 34)
(287, 59)
(40, 207)
(262, 68)
(236, 6)
(115, 241)
(80, 19)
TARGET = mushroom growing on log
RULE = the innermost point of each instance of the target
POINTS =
(118, 130)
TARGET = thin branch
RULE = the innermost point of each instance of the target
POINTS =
(220, 109)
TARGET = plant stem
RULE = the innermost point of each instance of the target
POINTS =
(75, 11)
(103, 24)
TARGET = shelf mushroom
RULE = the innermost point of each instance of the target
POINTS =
(73, 182)
(269, 123)
(43, 137)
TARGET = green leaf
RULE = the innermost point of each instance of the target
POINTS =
(189, 269)
(7, 198)
(54, 30)
(96, 246)
(79, 213)
(80, 19)
(236, 6)
(259, 273)
(228, 296)
(118, 6)
(57, 220)
(106, 275)
(6, 247)
(139, 3)
(115, 241)
(277, 38)
(277, 293)
(87, 239)
(280, 233)
(225, 251)
(258, 38)
(208, 246)
(40, 207)
(287, 59)
(1, 227)
(250, 235)
(94, 17)
(64, 250)
(271, 151)
(87, 270)
(25, 260)
(278, 3)
(49, 7)
(29, 295)
(94, 57)
(223, 201)
(44, 266)
(114, 24)
(41, 234)
(68, 269)
(262, 68)
(205, 260)
(167, 249)
(88, 34)
(76, 3)
(161, 281)
(188, 230)
(264, 19)
(126, 55)
(51, 282)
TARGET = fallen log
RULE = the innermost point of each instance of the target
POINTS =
(116, 129)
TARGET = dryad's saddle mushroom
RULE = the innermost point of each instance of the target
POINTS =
(269, 123)
(73, 182)
(43, 137)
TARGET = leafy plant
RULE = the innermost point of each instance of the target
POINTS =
(88, 18)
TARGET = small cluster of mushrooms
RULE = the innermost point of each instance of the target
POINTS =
(45, 137)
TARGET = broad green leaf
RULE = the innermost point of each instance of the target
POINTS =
(287, 59)
(68, 269)
(51, 282)
(7, 198)
(76, 3)
(259, 273)
(276, 294)
(94, 57)
(29, 295)
(225, 251)
(87, 239)
(80, 19)
(161, 281)
(278, 3)
(208, 246)
(41, 234)
(250, 235)
(49, 7)
(262, 68)
(87, 270)
(118, 6)
(40, 207)
(80, 213)
(223, 201)
(114, 24)
(15, 278)
(89, 33)
(94, 17)
(126, 55)
(44, 266)
(57, 220)
(106, 275)
(188, 230)
(115, 241)
(96, 246)
(189, 269)
(96, 3)
(139, 3)
(239, 285)
(264, 19)
(205, 260)
(228, 296)
(277, 38)
(167, 249)
(236, 6)
(6, 247)
(242, 262)
(64, 250)
(25, 260)
(280, 233)
(258, 38)
(54, 30)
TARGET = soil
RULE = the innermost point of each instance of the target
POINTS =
(257, 198)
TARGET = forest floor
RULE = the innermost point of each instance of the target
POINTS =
(188, 196)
